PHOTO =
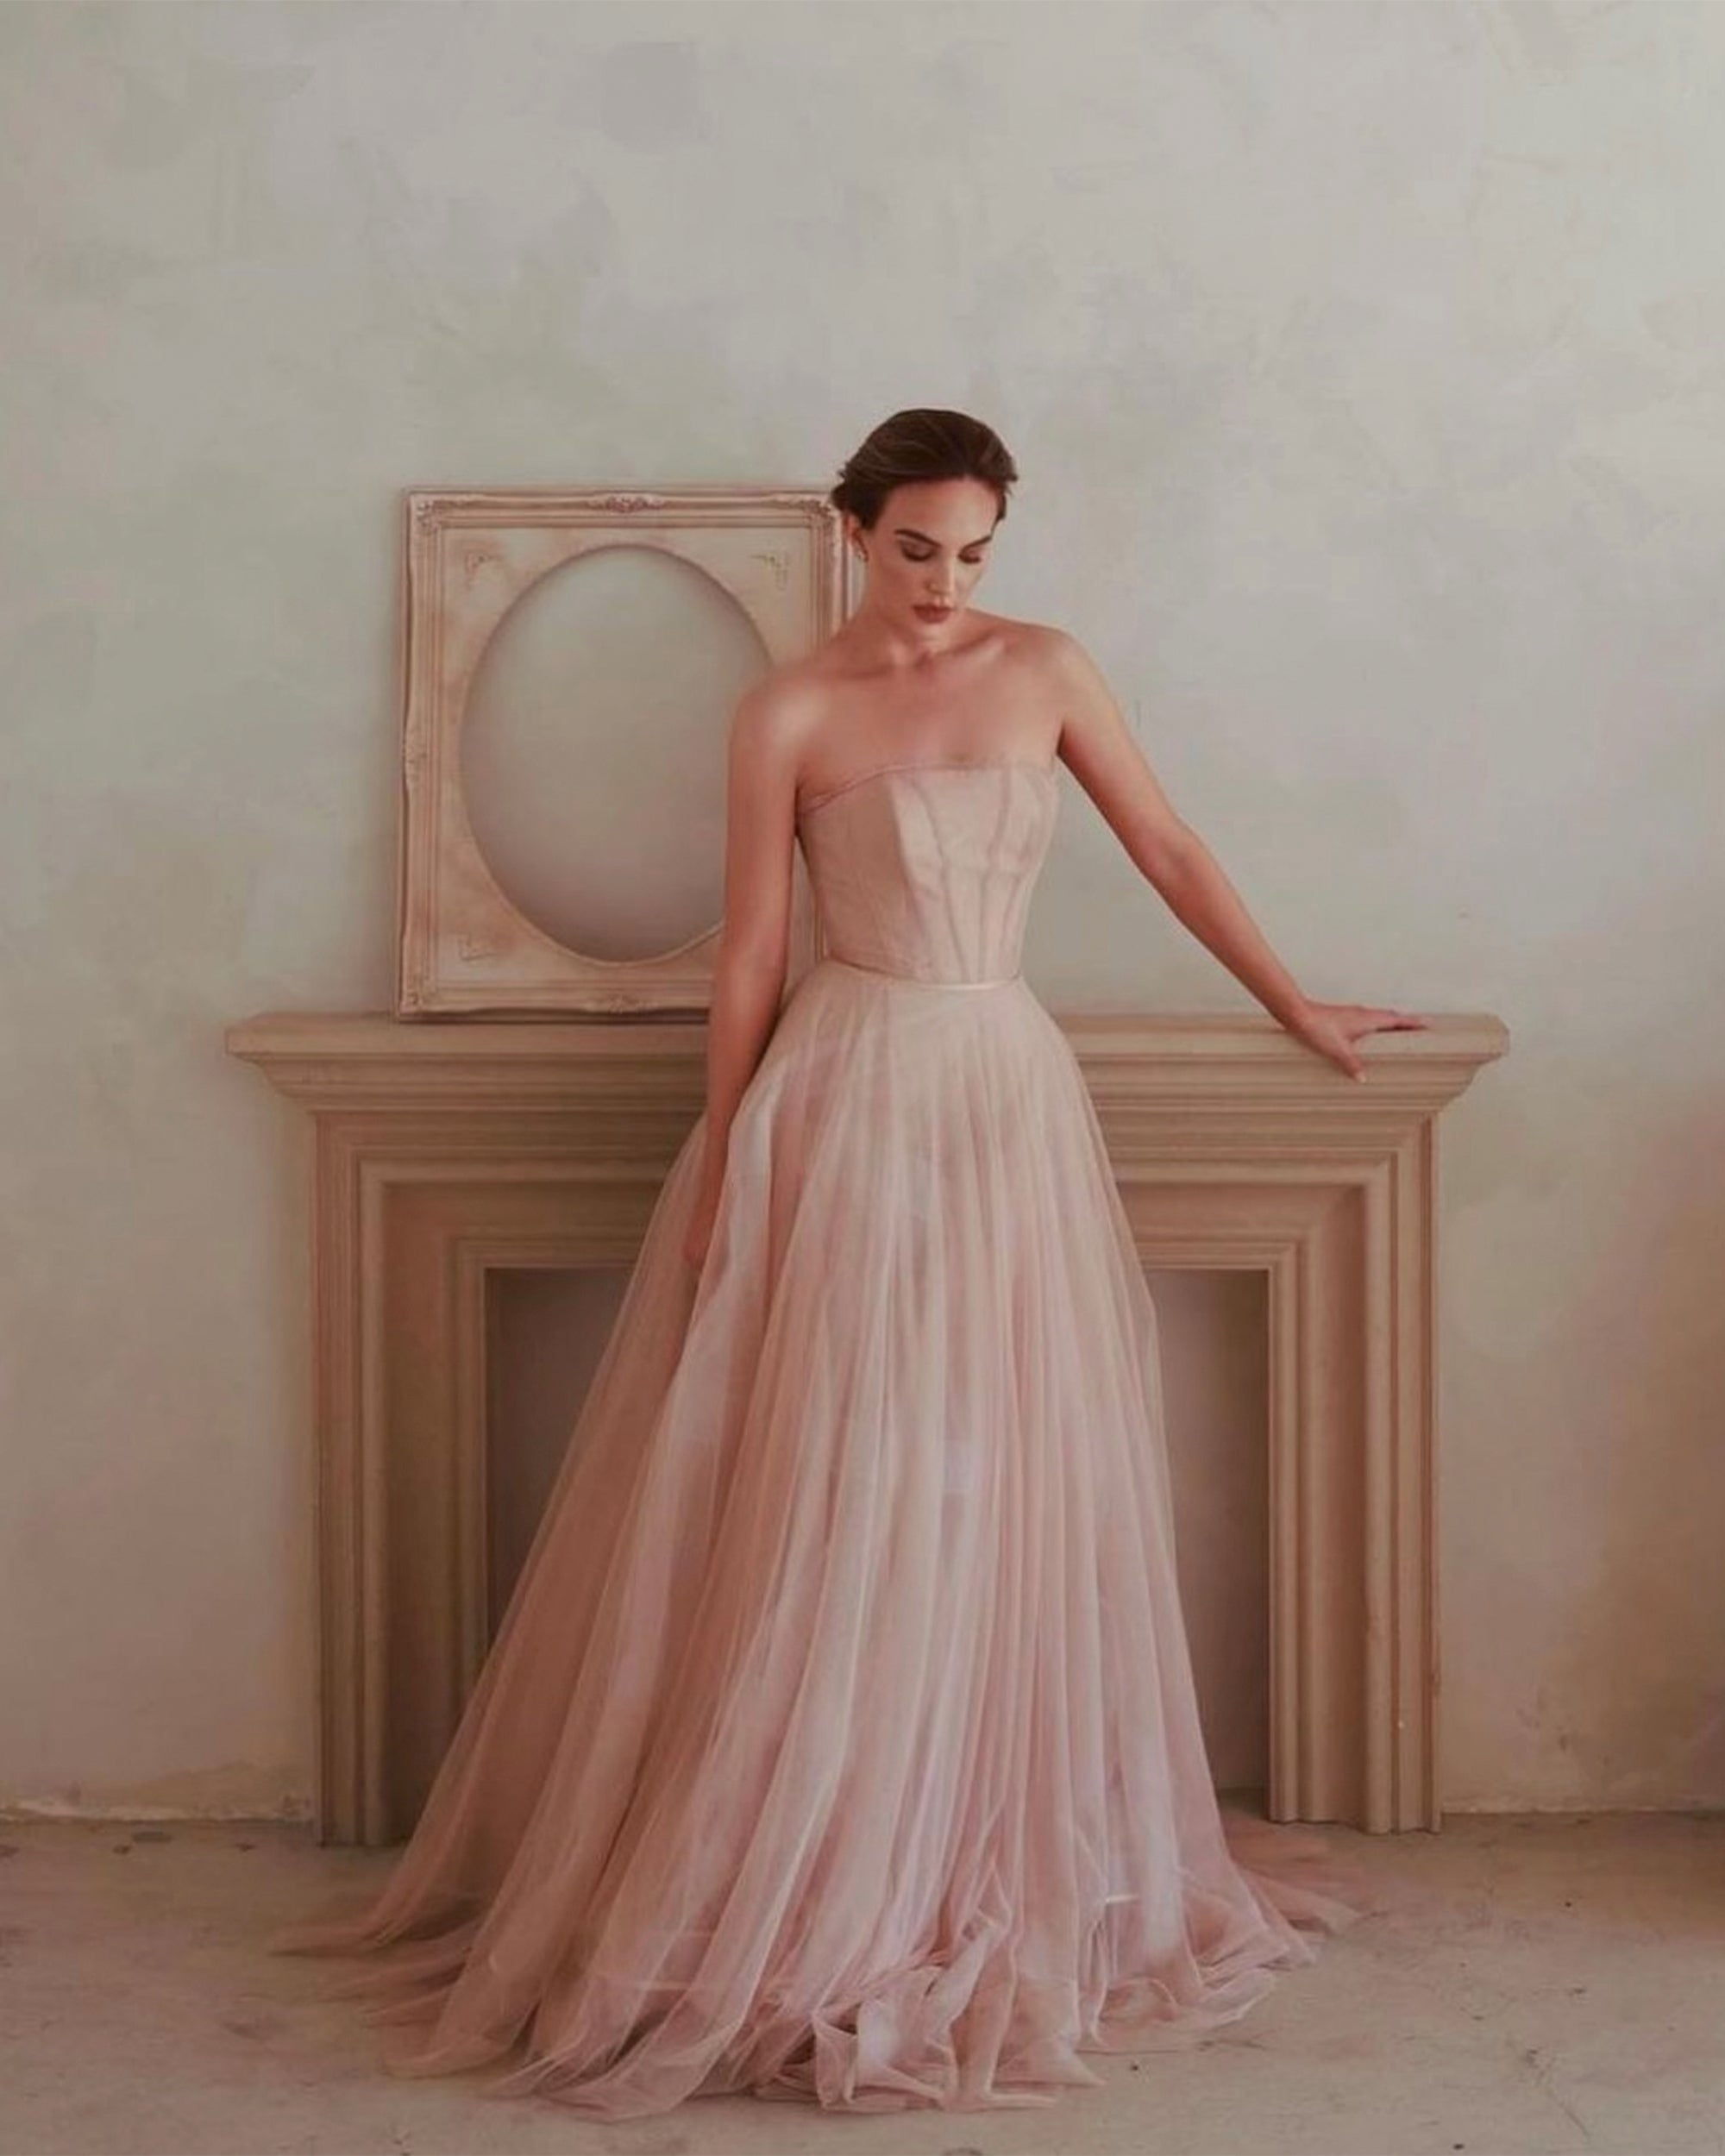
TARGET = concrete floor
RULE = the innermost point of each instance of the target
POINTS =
(1548, 1983)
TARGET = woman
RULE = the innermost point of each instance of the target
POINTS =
(839, 1742)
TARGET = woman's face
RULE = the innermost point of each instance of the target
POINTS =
(927, 551)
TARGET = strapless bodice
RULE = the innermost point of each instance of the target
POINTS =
(924, 871)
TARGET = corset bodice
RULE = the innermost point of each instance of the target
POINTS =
(925, 870)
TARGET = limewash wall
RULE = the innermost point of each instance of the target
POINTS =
(1362, 363)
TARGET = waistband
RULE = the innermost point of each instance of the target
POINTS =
(919, 980)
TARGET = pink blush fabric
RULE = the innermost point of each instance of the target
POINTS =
(839, 1744)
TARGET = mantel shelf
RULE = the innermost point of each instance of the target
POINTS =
(336, 1058)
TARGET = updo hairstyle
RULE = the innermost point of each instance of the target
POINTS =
(915, 446)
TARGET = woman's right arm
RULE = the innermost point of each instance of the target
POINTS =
(762, 763)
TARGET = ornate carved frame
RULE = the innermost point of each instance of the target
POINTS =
(463, 946)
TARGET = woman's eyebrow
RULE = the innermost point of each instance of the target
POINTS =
(905, 531)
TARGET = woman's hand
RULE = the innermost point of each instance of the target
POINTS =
(699, 1233)
(1332, 1028)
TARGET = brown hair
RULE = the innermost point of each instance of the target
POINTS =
(917, 445)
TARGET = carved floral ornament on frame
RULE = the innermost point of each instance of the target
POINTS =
(567, 659)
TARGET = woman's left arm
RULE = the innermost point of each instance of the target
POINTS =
(1097, 744)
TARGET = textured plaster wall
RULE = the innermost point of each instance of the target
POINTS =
(1363, 364)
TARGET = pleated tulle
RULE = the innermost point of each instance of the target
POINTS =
(839, 1742)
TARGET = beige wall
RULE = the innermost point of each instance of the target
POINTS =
(1362, 364)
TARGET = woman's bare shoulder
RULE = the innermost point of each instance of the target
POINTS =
(793, 684)
(1038, 643)
(812, 676)
(774, 721)
(796, 700)
(1035, 656)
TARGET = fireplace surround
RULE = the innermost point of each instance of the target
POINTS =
(440, 1151)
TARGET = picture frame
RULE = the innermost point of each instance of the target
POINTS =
(464, 947)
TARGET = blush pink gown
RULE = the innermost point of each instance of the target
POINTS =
(839, 1742)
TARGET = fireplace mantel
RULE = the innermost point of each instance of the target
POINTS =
(443, 1149)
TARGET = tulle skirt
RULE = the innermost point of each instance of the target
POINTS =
(840, 1743)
